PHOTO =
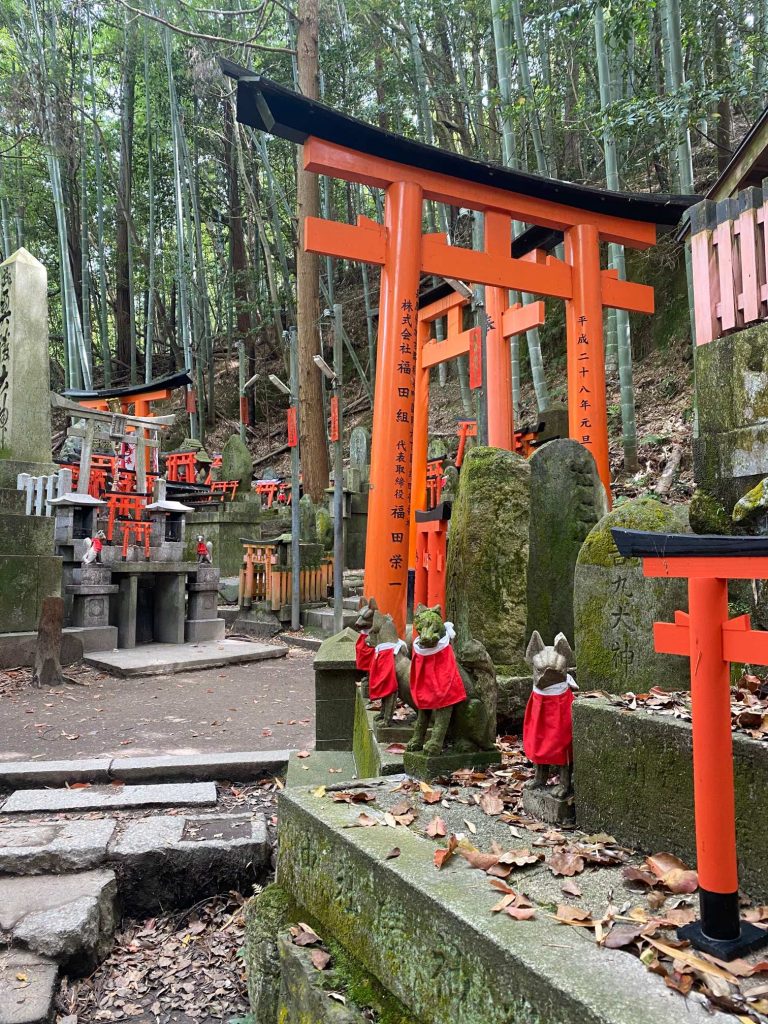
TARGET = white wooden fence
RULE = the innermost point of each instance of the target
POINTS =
(41, 490)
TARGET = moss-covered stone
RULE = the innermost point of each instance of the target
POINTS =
(488, 554)
(615, 606)
(753, 504)
(324, 526)
(707, 515)
(371, 758)
(567, 500)
(633, 779)
(267, 915)
(237, 463)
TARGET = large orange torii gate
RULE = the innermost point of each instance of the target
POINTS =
(410, 173)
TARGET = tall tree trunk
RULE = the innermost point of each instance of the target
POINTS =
(123, 298)
(314, 450)
(106, 355)
(238, 259)
(721, 73)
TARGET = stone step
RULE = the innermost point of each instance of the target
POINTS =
(31, 535)
(99, 798)
(12, 500)
(68, 918)
(241, 766)
(160, 861)
(353, 603)
(27, 987)
(322, 618)
(322, 767)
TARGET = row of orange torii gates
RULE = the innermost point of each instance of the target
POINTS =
(410, 173)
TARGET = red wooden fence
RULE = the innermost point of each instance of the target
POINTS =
(729, 256)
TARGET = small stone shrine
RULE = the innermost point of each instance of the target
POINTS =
(615, 606)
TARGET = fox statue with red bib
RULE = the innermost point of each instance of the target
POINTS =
(548, 725)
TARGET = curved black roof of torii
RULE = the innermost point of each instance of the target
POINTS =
(272, 108)
(169, 382)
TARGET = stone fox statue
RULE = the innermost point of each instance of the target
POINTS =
(548, 726)
(456, 702)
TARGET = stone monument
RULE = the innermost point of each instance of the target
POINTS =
(237, 463)
(29, 571)
(488, 555)
(567, 499)
(615, 606)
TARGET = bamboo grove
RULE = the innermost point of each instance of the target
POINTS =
(170, 232)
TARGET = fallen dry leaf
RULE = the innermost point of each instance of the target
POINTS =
(570, 889)
(621, 935)
(572, 915)
(320, 959)
(565, 862)
(366, 820)
(443, 855)
(394, 852)
(303, 935)
(520, 913)
(395, 748)
(491, 803)
(436, 827)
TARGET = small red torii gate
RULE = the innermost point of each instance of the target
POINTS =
(343, 147)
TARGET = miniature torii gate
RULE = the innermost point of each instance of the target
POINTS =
(343, 147)
(711, 640)
(117, 427)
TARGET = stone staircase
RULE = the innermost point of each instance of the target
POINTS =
(73, 861)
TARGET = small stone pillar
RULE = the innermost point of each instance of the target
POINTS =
(336, 678)
(203, 622)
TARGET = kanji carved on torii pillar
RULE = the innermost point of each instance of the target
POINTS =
(409, 173)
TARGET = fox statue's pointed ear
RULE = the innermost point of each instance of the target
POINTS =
(372, 604)
(564, 648)
(535, 644)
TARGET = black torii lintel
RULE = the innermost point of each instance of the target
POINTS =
(269, 107)
(167, 383)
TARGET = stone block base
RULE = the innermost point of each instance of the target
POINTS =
(633, 779)
(196, 630)
(24, 581)
(543, 805)
(387, 734)
(435, 766)
(371, 757)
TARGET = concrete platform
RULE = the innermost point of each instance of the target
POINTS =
(321, 768)
(322, 619)
(99, 798)
(166, 659)
(408, 923)
(69, 918)
(27, 987)
(18, 649)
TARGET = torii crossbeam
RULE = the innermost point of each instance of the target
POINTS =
(410, 173)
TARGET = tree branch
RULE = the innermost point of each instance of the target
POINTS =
(202, 35)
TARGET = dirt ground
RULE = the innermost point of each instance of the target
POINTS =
(266, 705)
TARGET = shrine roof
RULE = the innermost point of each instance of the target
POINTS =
(167, 383)
(269, 107)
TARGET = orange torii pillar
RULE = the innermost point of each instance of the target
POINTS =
(389, 511)
(431, 554)
(710, 640)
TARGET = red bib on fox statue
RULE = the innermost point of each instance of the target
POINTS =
(548, 724)
(435, 678)
(382, 678)
(364, 654)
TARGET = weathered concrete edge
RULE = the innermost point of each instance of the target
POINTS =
(406, 922)
(240, 766)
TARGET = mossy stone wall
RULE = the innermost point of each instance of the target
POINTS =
(486, 590)
(615, 606)
(633, 779)
(237, 463)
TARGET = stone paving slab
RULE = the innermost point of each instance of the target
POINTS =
(166, 659)
(32, 849)
(170, 861)
(69, 918)
(407, 922)
(98, 798)
(27, 987)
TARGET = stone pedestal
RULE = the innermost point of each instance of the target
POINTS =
(438, 766)
(203, 622)
(541, 804)
(335, 688)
